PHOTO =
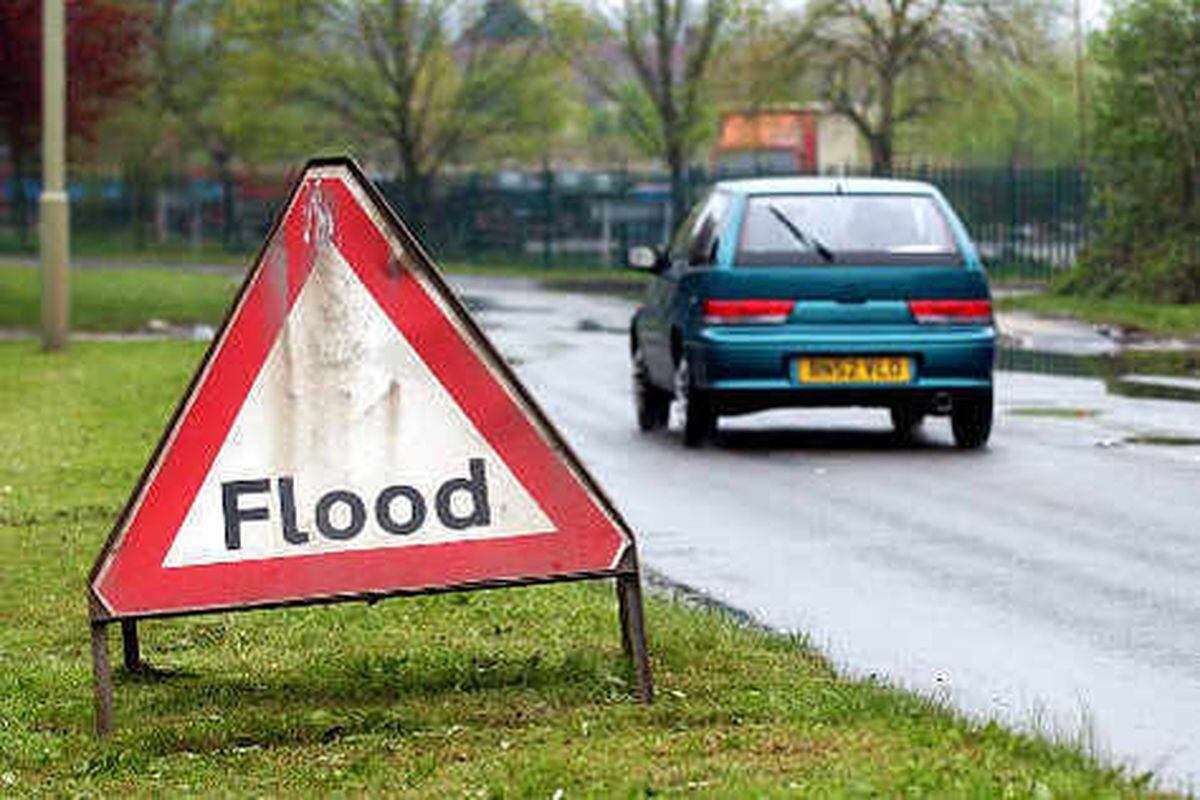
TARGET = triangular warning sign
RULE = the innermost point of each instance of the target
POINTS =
(350, 433)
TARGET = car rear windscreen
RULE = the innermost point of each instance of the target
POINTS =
(818, 229)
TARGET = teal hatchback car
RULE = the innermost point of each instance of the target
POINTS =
(816, 292)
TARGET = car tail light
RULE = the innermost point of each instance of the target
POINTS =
(951, 312)
(747, 312)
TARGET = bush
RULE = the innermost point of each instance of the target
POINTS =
(1163, 268)
(1147, 154)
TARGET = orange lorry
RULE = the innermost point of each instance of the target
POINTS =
(769, 142)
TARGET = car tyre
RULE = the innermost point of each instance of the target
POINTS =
(652, 404)
(699, 416)
(699, 422)
(906, 421)
(971, 420)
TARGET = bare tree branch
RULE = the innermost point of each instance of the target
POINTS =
(889, 62)
(669, 47)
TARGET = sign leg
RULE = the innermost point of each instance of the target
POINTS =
(623, 620)
(102, 683)
(130, 647)
(629, 590)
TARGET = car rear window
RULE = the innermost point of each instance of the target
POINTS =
(819, 229)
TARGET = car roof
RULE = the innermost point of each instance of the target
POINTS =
(824, 185)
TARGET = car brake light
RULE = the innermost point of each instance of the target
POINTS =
(747, 312)
(951, 312)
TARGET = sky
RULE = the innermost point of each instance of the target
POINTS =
(1095, 12)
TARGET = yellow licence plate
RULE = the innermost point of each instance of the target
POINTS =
(847, 369)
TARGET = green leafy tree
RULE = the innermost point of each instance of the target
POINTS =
(218, 83)
(408, 77)
(1021, 114)
(761, 70)
(1147, 152)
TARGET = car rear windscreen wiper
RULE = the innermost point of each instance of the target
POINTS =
(807, 239)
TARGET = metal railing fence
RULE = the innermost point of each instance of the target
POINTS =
(1028, 223)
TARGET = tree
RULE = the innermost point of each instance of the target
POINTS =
(669, 47)
(886, 63)
(1016, 113)
(397, 75)
(217, 85)
(103, 44)
(762, 71)
(1147, 152)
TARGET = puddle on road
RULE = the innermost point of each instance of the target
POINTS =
(1173, 363)
(589, 325)
(480, 304)
(1164, 441)
(1124, 373)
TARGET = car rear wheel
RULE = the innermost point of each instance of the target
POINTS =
(971, 420)
(699, 417)
(906, 421)
(652, 404)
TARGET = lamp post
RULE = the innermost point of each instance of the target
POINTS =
(53, 206)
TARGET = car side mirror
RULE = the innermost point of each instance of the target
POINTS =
(645, 258)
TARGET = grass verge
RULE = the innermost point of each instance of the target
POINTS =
(1157, 318)
(121, 246)
(1054, 412)
(119, 299)
(510, 693)
(104, 299)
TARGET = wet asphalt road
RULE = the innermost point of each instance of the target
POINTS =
(1051, 581)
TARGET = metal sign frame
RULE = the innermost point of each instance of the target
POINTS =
(624, 570)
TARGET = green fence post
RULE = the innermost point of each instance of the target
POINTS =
(548, 220)
(1083, 234)
(622, 199)
(1011, 243)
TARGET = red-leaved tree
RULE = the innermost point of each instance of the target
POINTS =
(104, 56)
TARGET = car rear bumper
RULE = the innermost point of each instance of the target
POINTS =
(750, 369)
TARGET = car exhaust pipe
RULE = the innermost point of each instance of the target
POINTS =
(942, 403)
